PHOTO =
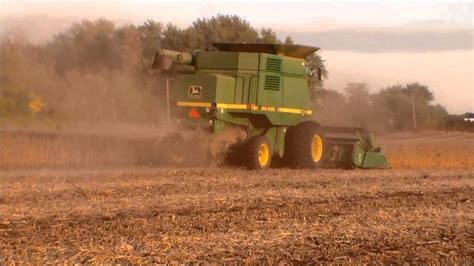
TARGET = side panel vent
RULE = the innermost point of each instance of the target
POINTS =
(273, 64)
(272, 82)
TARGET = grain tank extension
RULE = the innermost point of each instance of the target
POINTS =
(262, 88)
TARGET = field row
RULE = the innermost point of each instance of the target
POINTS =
(205, 215)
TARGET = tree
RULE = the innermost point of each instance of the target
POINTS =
(325, 98)
(421, 98)
(316, 69)
(468, 115)
(88, 45)
(357, 93)
(267, 36)
(174, 38)
(419, 91)
(358, 103)
(402, 104)
(129, 46)
(222, 28)
(329, 106)
(288, 40)
(151, 35)
(393, 102)
(439, 117)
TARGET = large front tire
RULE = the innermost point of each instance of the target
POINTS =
(305, 146)
(259, 153)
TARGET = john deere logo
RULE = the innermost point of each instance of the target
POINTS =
(195, 91)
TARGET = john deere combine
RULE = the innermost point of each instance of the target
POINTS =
(262, 88)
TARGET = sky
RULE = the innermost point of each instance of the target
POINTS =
(287, 15)
(379, 43)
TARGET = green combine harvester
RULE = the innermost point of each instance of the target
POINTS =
(262, 88)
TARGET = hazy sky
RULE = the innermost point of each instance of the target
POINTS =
(293, 15)
(376, 43)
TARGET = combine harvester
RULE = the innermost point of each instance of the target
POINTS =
(262, 88)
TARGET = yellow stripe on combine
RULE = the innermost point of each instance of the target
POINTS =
(194, 104)
(247, 107)
(290, 110)
(232, 106)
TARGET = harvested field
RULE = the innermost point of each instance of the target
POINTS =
(147, 215)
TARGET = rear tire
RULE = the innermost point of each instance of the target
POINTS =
(259, 153)
(305, 146)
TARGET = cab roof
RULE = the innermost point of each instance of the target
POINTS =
(291, 50)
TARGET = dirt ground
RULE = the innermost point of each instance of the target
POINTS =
(144, 215)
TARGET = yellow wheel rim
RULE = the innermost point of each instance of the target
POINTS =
(263, 154)
(317, 148)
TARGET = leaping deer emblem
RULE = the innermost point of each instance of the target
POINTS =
(194, 91)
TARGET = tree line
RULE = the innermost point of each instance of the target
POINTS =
(97, 71)
(394, 108)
